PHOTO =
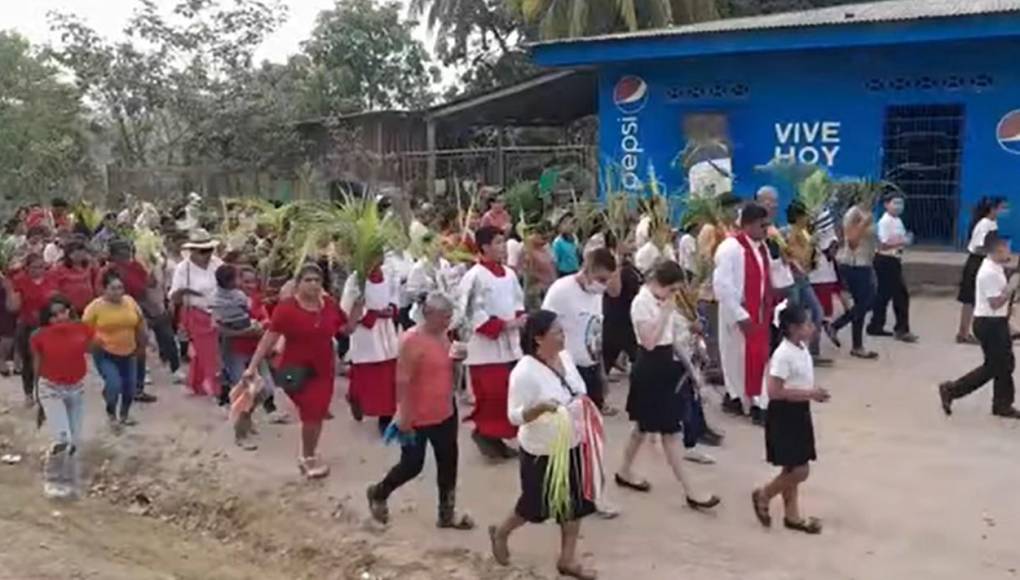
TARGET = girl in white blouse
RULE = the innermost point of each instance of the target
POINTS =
(789, 432)
(655, 403)
(544, 382)
(986, 212)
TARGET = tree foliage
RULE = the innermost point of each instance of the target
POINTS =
(42, 137)
(478, 38)
(167, 89)
(571, 18)
(365, 56)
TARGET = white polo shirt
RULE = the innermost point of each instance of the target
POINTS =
(981, 231)
(891, 228)
(991, 283)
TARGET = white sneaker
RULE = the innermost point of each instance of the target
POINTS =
(607, 511)
(56, 491)
(178, 377)
(697, 456)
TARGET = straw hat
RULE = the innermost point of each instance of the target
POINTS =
(199, 239)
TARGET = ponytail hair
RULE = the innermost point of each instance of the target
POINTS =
(984, 207)
(791, 316)
(538, 325)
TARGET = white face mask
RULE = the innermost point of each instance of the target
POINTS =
(595, 288)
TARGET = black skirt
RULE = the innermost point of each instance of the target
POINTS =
(655, 402)
(532, 505)
(968, 281)
(789, 434)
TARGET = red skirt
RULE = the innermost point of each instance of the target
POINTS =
(313, 400)
(374, 387)
(490, 385)
(826, 294)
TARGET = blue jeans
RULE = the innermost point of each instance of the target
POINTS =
(120, 377)
(802, 295)
(860, 280)
(64, 406)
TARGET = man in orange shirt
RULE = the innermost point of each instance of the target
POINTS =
(425, 414)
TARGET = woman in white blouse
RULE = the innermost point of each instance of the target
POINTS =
(193, 287)
(544, 383)
(986, 212)
(655, 403)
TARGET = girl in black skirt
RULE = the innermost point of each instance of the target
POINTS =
(655, 402)
(986, 212)
(546, 382)
(789, 433)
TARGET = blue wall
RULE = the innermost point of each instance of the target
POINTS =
(848, 87)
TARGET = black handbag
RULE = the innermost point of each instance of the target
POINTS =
(292, 379)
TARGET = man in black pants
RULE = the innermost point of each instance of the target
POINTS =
(991, 327)
(892, 238)
(426, 414)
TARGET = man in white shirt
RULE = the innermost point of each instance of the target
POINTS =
(577, 302)
(992, 295)
(741, 284)
(892, 238)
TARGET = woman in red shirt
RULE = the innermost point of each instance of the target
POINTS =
(33, 288)
(307, 322)
(59, 350)
(76, 277)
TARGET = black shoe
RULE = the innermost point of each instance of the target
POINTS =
(832, 333)
(505, 451)
(703, 505)
(757, 417)
(144, 397)
(732, 406)
(356, 413)
(380, 511)
(879, 332)
(946, 398)
(1009, 413)
(486, 446)
(711, 438)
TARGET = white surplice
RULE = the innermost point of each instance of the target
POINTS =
(728, 285)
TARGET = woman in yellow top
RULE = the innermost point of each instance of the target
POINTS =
(120, 338)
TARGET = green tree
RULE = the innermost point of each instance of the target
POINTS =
(42, 138)
(166, 91)
(552, 19)
(365, 54)
(479, 38)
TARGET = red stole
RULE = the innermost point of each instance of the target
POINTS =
(757, 290)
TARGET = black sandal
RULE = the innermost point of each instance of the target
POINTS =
(812, 526)
(761, 508)
(578, 572)
(643, 487)
(864, 354)
(464, 522)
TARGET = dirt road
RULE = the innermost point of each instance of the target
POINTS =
(904, 492)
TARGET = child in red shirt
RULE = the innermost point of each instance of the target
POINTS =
(59, 350)
(33, 288)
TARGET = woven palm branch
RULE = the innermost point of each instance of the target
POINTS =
(363, 236)
(815, 192)
(617, 215)
(86, 214)
(587, 217)
(656, 207)
(865, 191)
(701, 210)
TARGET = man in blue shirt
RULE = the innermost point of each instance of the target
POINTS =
(565, 252)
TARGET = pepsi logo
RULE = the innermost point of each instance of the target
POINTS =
(1008, 132)
(630, 94)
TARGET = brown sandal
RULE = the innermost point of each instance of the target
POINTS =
(578, 572)
(812, 526)
(761, 508)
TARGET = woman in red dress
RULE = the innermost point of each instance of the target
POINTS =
(77, 277)
(33, 287)
(307, 322)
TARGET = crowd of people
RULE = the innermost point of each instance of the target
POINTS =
(525, 334)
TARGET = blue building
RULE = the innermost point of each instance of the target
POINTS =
(925, 93)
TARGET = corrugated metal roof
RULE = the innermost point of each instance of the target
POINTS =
(846, 15)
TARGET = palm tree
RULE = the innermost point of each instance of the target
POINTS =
(572, 18)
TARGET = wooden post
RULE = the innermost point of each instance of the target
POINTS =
(430, 146)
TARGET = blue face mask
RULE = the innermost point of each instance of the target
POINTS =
(896, 206)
